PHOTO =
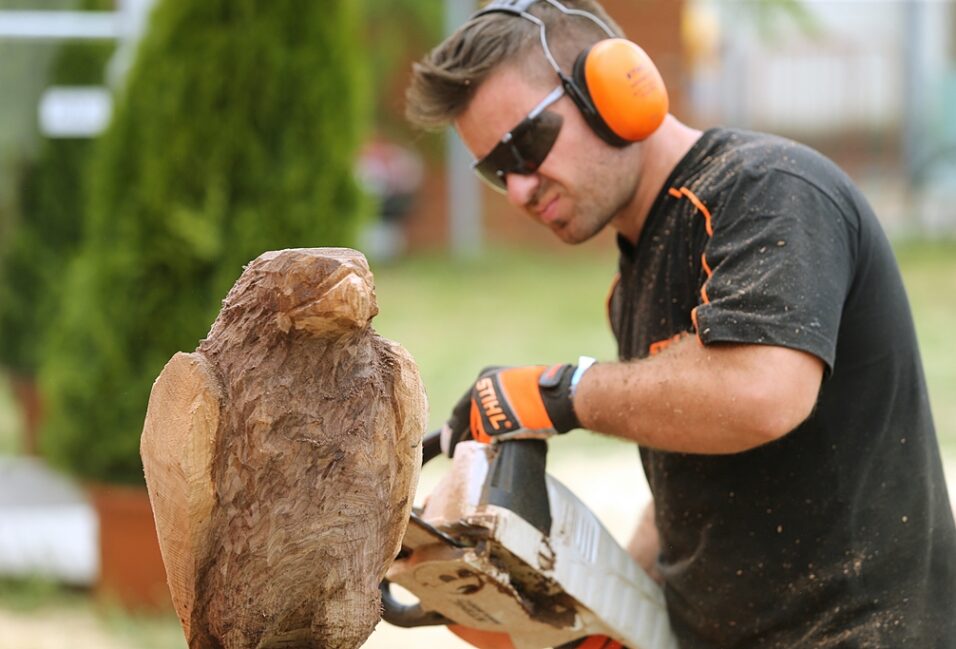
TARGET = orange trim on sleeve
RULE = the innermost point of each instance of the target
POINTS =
(683, 192)
(701, 207)
(661, 345)
(520, 387)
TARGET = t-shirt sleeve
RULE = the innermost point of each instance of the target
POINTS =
(778, 266)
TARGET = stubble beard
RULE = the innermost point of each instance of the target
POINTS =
(596, 211)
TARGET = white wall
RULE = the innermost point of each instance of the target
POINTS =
(846, 74)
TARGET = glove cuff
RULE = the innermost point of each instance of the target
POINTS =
(555, 384)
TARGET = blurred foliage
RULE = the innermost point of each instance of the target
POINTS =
(235, 134)
(770, 15)
(50, 204)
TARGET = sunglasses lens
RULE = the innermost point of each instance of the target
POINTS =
(487, 167)
(534, 143)
(530, 143)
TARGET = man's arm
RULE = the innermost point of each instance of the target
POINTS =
(691, 398)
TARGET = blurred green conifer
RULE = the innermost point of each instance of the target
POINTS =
(235, 134)
(48, 221)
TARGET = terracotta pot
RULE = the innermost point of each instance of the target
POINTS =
(131, 566)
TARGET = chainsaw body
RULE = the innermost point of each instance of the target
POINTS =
(501, 546)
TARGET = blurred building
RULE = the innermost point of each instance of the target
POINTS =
(871, 84)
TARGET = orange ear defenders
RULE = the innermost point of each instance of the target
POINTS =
(614, 83)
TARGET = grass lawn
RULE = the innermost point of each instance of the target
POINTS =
(929, 271)
(38, 614)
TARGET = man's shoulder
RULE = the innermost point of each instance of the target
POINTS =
(753, 153)
(757, 164)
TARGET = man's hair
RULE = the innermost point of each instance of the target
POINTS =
(446, 79)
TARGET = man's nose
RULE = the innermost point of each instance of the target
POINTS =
(521, 188)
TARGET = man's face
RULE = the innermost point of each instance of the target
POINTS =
(581, 185)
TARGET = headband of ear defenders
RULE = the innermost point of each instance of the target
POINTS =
(516, 7)
(613, 83)
(520, 8)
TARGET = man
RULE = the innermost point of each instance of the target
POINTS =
(768, 367)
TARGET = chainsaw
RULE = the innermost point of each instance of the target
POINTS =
(502, 546)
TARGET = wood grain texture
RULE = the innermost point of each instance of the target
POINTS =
(282, 457)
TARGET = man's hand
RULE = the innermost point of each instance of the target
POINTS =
(531, 402)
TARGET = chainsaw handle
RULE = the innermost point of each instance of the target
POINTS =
(431, 446)
(517, 480)
(407, 616)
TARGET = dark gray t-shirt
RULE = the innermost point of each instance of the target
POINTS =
(840, 534)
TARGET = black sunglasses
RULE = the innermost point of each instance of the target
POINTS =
(522, 149)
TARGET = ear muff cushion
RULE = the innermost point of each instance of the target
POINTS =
(576, 88)
(625, 87)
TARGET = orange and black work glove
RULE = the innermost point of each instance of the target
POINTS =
(531, 402)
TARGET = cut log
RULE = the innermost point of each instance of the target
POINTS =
(281, 459)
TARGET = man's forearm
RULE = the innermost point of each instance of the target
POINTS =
(701, 399)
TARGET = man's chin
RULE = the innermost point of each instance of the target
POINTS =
(571, 236)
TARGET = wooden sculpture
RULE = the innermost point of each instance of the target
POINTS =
(282, 456)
